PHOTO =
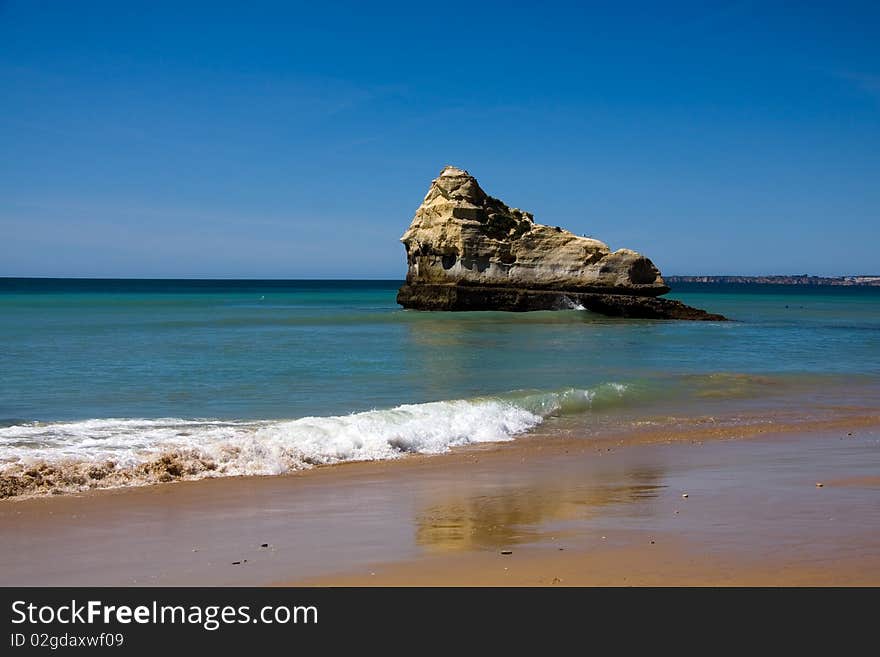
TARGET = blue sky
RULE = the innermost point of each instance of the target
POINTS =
(296, 140)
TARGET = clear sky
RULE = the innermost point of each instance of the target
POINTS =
(258, 139)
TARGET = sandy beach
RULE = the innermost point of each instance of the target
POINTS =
(729, 505)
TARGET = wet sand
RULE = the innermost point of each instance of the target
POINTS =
(569, 510)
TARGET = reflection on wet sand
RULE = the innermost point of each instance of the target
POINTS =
(512, 514)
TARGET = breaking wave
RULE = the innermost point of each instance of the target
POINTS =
(569, 304)
(63, 457)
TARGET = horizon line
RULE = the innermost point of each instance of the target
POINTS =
(249, 278)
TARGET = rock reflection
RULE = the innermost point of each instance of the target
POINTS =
(521, 514)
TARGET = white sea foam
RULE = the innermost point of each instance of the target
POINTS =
(570, 304)
(271, 447)
(278, 446)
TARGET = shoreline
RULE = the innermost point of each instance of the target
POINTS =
(174, 467)
(444, 519)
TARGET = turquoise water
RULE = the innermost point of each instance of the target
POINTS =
(93, 369)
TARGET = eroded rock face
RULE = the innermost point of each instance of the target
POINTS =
(461, 234)
(469, 251)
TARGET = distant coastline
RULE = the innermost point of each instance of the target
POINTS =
(98, 284)
(804, 279)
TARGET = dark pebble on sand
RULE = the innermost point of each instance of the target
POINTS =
(264, 545)
(236, 563)
(506, 551)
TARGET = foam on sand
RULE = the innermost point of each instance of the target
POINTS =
(68, 456)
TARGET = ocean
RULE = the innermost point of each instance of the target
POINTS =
(125, 382)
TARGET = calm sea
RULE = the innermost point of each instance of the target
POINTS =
(269, 376)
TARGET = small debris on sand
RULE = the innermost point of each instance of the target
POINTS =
(506, 551)
(819, 484)
(684, 495)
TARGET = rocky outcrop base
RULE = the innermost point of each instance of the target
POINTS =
(470, 297)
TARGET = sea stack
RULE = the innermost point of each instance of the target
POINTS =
(466, 250)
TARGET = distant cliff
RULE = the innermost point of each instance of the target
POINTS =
(466, 250)
(805, 279)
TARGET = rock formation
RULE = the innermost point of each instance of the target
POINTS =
(469, 251)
